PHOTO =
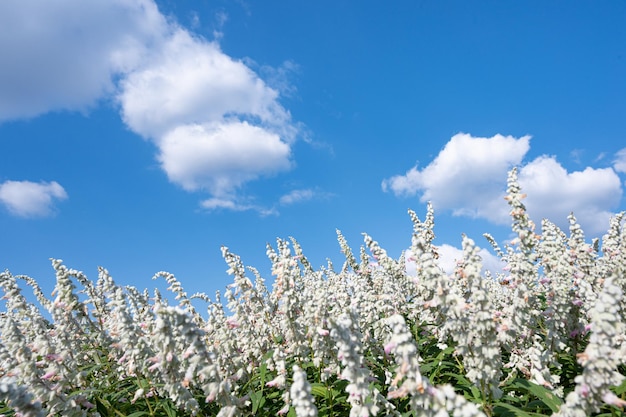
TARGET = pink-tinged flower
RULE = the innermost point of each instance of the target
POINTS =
(138, 394)
(584, 391)
(277, 382)
(87, 405)
(502, 328)
(389, 347)
(613, 399)
(60, 305)
(232, 323)
(323, 332)
(49, 375)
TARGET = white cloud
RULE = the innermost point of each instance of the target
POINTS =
(553, 193)
(221, 203)
(449, 257)
(620, 161)
(297, 196)
(30, 199)
(192, 81)
(220, 157)
(279, 78)
(65, 55)
(215, 122)
(232, 203)
(468, 177)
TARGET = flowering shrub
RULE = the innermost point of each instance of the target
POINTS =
(545, 336)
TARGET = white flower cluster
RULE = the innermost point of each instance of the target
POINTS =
(19, 398)
(351, 328)
(363, 399)
(301, 397)
(604, 353)
(426, 399)
(477, 332)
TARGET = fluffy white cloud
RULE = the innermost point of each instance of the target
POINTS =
(553, 193)
(30, 199)
(192, 81)
(468, 177)
(65, 55)
(215, 122)
(449, 256)
(222, 156)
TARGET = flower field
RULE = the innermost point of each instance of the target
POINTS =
(544, 337)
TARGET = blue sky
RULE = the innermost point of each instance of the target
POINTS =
(141, 136)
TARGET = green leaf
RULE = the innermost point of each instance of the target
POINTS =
(138, 414)
(167, 406)
(541, 392)
(319, 390)
(511, 410)
(476, 394)
(263, 367)
(337, 395)
(619, 390)
(103, 406)
(466, 385)
(5, 409)
(257, 399)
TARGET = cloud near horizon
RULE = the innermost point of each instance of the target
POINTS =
(31, 199)
(468, 177)
(449, 257)
(215, 122)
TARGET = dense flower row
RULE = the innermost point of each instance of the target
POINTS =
(327, 342)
